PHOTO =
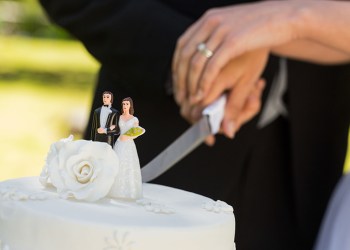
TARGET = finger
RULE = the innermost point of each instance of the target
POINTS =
(186, 112)
(206, 21)
(182, 40)
(196, 112)
(220, 85)
(236, 98)
(199, 34)
(228, 50)
(228, 128)
(199, 60)
(213, 67)
(252, 106)
(210, 140)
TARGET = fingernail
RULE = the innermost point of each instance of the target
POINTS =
(230, 129)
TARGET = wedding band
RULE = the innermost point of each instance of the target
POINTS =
(202, 48)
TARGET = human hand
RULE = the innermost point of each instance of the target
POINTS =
(124, 138)
(112, 127)
(101, 130)
(250, 108)
(228, 32)
(238, 77)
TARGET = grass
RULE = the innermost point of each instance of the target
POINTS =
(45, 94)
(45, 55)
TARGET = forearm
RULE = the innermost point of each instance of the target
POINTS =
(322, 33)
(311, 51)
(113, 130)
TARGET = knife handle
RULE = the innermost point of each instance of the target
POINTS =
(215, 112)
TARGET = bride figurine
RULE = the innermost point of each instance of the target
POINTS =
(128, 183)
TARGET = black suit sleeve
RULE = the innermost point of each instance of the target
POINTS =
(114, 121)
(93, 127)
(133, 39)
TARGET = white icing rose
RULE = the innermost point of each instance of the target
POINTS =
(83, 169)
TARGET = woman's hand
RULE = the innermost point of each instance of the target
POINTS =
(251, 107)
(124, 138)
(238, 78)
(229, 32)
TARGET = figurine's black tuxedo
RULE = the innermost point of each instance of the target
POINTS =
(112, 119)
(279, 178)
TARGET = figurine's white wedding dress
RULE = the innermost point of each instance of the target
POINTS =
(128, 183)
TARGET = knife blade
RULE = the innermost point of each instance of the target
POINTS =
(209, 124)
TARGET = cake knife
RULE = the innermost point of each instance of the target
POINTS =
(209, 124)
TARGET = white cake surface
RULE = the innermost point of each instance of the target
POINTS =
(36, 218)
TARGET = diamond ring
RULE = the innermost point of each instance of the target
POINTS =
(202, 48)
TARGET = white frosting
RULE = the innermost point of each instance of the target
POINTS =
(4, 246)
(35, 218)
(85, 170)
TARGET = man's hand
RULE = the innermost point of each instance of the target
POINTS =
(101, 130)
(239, 79)
(229, 32)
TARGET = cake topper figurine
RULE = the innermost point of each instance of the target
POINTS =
(104, 123)
(128, 183)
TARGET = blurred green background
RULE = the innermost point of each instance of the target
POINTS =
(46, 85)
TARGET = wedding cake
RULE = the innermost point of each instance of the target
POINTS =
(71, 207)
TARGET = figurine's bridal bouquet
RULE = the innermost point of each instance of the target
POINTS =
(135, 132)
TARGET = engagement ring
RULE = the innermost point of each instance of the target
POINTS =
(202, 48)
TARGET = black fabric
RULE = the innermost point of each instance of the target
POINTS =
(319, 116)
(112, 134)
(279, 178)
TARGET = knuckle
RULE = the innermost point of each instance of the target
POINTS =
(211, 12)
(224, 29)
(186, 53)
(181, 41)
(232, 40)
(235, 45)
(212, 19)
(210, 69)
(233, 109)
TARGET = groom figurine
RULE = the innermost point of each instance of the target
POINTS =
(105, 121)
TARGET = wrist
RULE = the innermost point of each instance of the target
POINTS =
(298, 21)
(292, 19)
(306, 16)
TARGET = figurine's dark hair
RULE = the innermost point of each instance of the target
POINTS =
(108, 92)
(131, 111)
